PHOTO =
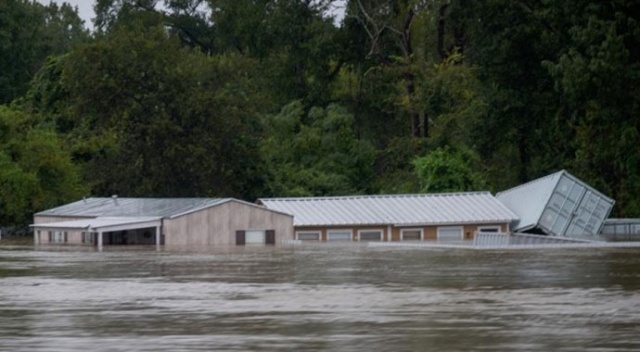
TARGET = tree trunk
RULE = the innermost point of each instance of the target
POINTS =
(415, 116)
(459, 41)
(416, 130)
(425, 125)
(441, 30)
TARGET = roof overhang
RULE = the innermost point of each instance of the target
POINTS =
(408, 224)
(228, 200)
(101, 224)
(453, 223)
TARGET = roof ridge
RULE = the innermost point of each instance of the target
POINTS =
(154, 198)
(377, 196)
(109, 206)
(534, 181)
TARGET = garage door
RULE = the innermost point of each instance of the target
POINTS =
(339, 236)
(370, 235)
(255, 237)
(449, 233)
(308, 236)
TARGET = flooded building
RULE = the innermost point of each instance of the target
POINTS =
(412, 217)
(621, 230)
(558, 205)
(170, 221)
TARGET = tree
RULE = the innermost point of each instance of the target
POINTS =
(319, 157)
(36, 172)
(390, 26)
(29, 32)
(293, 39)
(597, 74)
(449, 170)
(525, 133)
(149, 117)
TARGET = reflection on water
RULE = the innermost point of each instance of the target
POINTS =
(318, 298)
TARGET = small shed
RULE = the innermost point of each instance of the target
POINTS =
(159, 221)
(409, 217)
(558, 205)
(621, 230)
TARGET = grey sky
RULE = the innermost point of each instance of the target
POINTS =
(85, 9)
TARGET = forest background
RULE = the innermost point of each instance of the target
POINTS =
(261, 98)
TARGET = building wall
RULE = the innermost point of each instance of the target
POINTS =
(217, 225)
(73, 237)
(429, 232)
(354, 230)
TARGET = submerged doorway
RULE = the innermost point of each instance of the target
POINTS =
(255, 237)
(244, 237)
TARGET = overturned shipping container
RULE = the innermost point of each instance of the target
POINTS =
(558, 205)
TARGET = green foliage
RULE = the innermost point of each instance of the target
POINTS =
(395, 172)
(183, 123)
(192, 98)
(315, 153)
(36, 172)
(454, 98)
(449, 170)
(598, 75)
(29, 32)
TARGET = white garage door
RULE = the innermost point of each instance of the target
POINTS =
(449, 233)
(339, 236)
(255, 237)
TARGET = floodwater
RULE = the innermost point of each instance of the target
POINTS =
(318, 298)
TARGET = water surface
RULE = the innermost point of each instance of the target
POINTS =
(318, 298)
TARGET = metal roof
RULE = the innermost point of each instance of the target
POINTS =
(132, 207)
(401, 210)
(102, 223)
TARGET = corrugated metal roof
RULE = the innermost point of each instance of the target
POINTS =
(132, 207)
(408, 209)
(529, 200)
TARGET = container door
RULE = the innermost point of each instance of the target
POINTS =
(589, 216)
(560, 211)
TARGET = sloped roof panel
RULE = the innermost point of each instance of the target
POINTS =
(410, 209)
(131, 207)
(529, 200)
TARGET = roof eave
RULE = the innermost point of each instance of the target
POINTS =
(451, 223)
(405, 224)
(224, 201)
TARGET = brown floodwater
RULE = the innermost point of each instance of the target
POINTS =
(318, 298)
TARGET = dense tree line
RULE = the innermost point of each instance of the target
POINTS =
(279, 98)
